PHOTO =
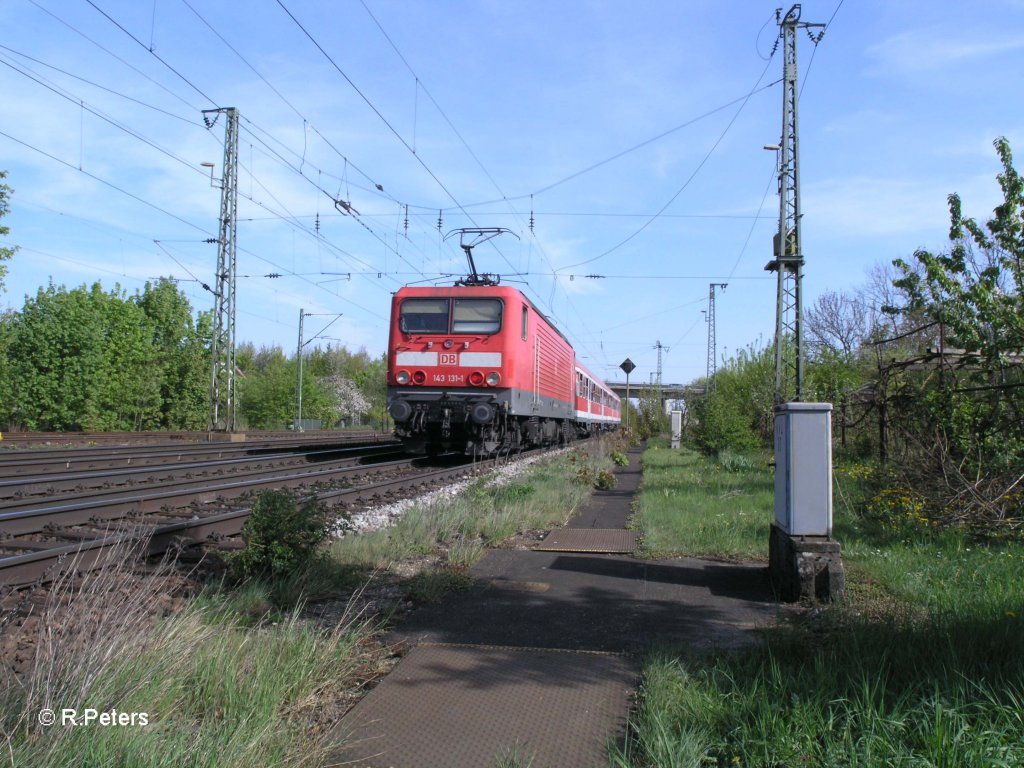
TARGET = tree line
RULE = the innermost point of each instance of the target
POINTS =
(94, 360)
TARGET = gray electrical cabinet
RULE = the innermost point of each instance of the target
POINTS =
(803, 468)
(677, 428)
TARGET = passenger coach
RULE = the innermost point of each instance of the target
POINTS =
(480, 369)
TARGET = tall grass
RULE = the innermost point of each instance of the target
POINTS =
(460, 528)
(690, 504)
(924, 666)
(214, 691)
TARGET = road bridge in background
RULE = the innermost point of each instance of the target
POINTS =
(668, 391)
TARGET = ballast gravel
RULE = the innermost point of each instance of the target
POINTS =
(386, 515)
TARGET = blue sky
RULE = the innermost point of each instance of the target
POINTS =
(631, 134)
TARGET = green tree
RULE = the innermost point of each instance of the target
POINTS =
(977, 289)
(6, 252)
(125, 394)
(80, 359)
(736, 412)
(181, 355)
(266, 394)
(965, 422)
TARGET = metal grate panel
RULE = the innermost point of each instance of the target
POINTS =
(606, 540)
(451, 706)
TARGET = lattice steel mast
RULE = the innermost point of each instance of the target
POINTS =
(788, 252)
(659, 346)
(712, 351)
(222, 352)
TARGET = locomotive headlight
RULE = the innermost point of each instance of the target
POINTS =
(493, 378)
(402, 377)
(448, 343)
(476, 378)
(419, 377)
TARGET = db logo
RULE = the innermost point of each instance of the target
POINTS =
(449, 358)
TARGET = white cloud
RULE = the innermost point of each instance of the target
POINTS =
(934, 48)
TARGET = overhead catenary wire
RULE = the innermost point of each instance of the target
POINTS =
(161, 86)
(294, 218)
(689, 179)
(185, 79)
(395, 132)
(194, 87)
(166, 212)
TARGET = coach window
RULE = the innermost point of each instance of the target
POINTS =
(476, 316)
(526, 321)
(424, 316)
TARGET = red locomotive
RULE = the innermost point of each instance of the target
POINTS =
(477, 367)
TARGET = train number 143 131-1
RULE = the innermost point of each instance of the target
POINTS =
(449, 378)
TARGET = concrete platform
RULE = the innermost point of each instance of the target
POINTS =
(540, 657)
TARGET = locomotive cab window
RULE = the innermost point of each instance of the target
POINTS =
(476, 316)
(424, 316)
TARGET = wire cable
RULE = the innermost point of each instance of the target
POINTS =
(693, 175)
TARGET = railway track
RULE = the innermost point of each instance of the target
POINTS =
(42, 558)
(53, 520)
(36, 461)
(23, 488)
(24, 440)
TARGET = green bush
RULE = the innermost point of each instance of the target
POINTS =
(620, 458)
(281, 536)
(737, 411)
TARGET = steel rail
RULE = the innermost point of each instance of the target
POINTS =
(34, 517)
(61, 439)
(23, 486)
(40, 566)
(14, 462)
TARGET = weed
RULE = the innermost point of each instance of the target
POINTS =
(584, 475)
(604, 480)
(731, 461)
(513, 492)
(431, 586)
(281, 536)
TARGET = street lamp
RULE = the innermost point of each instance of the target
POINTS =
(215, 183)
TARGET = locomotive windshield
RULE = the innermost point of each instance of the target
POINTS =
(466, 316)
(424, 316)
(476, 316)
